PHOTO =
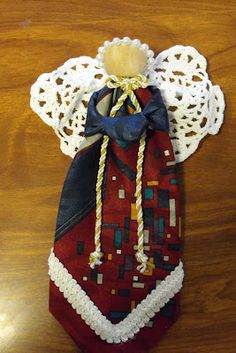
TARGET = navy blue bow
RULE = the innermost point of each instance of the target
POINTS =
(127, 127)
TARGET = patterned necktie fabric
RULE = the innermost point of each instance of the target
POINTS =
(114, 308)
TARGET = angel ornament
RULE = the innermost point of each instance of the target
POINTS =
(126, 118)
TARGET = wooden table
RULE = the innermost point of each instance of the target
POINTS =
(37, 37)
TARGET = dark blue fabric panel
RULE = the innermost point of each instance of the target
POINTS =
(130, 127)
(78, 195)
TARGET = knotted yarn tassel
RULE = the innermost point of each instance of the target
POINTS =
(127, 85)
(143, 260)
(95, 258)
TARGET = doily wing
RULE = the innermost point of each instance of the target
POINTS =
(60, 98)
(195, 107)
(218, 110)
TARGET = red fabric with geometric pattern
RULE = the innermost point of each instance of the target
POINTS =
(116, 286)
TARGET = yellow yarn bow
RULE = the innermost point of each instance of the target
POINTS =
(128, 85)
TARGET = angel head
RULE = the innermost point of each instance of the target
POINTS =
(125, 57)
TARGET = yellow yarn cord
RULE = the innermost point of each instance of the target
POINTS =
(127, 85)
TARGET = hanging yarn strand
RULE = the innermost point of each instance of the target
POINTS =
(128, 85)
(95, 257)
(140, 256)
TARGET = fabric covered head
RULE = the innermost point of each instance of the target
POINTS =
(125, 57)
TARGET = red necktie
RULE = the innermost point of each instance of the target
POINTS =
(115, 308)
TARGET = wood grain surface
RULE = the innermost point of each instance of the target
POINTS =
(37, 37)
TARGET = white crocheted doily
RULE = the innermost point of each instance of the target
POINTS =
(194, 104)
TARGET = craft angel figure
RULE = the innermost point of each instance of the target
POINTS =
(126, 119)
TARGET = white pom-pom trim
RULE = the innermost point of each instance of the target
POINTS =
(136, 320)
